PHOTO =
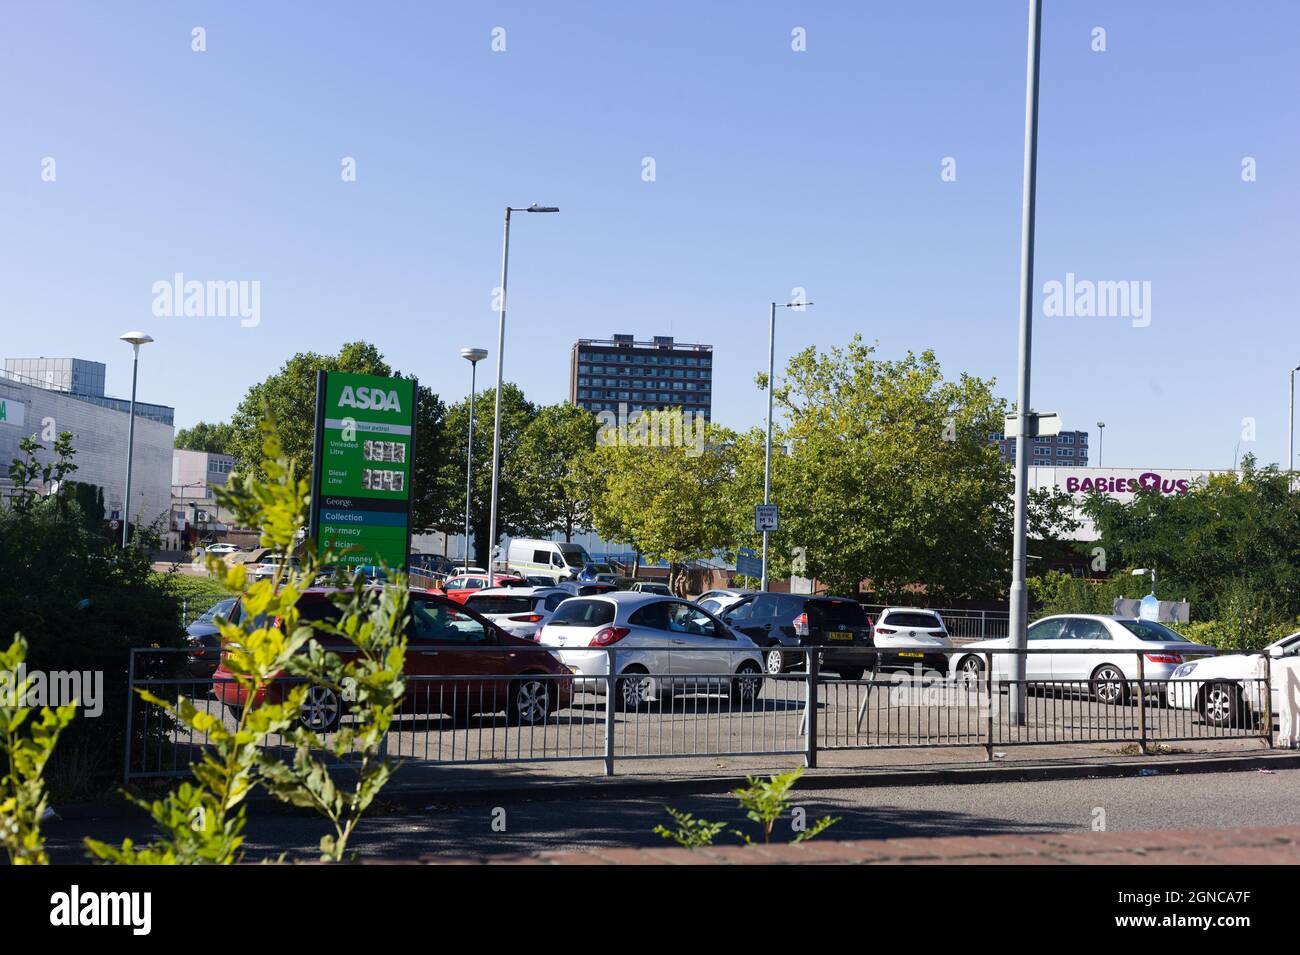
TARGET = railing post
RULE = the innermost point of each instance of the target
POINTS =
(611, 669)
(1268, 698)
(984, 625)
(130, 709)
(988, 703)
(813, 669)
(1142, 703)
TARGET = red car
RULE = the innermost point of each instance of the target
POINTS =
(509, 674)
(459, 588)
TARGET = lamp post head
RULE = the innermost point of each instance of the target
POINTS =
(473, 355)
(536, 208)
(1101, 424)
(136, 339)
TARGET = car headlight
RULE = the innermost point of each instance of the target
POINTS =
(1184, 670)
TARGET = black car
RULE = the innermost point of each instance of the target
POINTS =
(584, 588)
(780, 623)
(204, 638)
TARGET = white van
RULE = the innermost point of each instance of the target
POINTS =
(564, 561)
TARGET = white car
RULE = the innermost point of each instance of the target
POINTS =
(921, 632)
(272, 566)
(664, 645)
(1228, 690)
(716, 601)
(520, 611)
(1108, 670)
(221, 550)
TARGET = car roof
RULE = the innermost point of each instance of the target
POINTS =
(630, 597)
(517, 592)
(916, 609)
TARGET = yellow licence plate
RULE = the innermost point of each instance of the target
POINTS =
(909, 653)
(840, 636)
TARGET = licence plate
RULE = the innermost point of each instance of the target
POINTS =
(911, 654)
(840, 636)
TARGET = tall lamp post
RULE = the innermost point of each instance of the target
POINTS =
(501, 347)
(1101, 440)
(473, 356)
(135, 340)
(767, 453)
(1019, 597)
(1290, 431)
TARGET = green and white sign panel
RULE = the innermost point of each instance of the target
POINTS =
(363, 467)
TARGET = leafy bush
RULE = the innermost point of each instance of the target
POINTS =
(1056, 592)
(764, 801)
(27, 739)
(82, 602)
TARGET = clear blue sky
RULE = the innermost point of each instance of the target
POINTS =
(775, 170)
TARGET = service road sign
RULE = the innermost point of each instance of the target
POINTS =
(765, 517)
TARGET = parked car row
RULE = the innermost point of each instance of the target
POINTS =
(669, 645)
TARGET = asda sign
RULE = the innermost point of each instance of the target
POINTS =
(12, 412)
(362, 468)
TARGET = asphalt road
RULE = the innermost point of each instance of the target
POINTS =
(1142, 803)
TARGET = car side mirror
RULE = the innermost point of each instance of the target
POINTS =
(1277, 653)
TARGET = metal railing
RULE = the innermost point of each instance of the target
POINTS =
(635, 704)
(964, 626)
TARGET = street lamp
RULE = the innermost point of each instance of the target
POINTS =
(473, 356)
(1142, 572)
(1290, 431)
(501, 347)
(1101, 440)
(767, 453)
(1018, 597)
(135, 340)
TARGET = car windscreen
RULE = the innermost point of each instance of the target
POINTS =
(576, 612)
(574, 555)
(1150, 630)
(834, 613)
(910, 618)
(222, 607)
(497, 603)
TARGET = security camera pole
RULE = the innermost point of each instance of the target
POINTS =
(1019, 598)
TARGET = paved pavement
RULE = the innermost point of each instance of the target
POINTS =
(520, 824)
(1232, 847)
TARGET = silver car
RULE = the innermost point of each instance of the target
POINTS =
(660, 646)
(520, 611)
(1108, 670)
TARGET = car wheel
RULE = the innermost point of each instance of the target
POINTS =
(747, 684)
(531, 701)
(970, 670)
(774, 661)
(633, 689)
(851, 673)
(321, 709)
(1221, 704)
(1109, 684)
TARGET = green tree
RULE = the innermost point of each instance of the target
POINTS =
(516, 508)
(1215, 545)
(215, 438)
(550, 451)
(883, 471)
(669, 502)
